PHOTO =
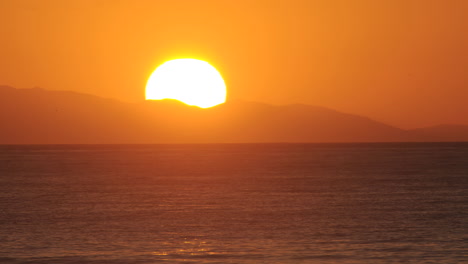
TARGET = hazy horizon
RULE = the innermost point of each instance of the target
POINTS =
(229, 100)
(67, 117)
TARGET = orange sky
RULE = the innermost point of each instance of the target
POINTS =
(403, 62)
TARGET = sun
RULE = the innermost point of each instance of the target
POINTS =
(193, 82)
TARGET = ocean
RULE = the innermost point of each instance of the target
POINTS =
(234, 203)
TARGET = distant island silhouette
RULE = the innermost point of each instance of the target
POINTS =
(38, 116)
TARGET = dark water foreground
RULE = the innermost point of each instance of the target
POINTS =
(271, 203)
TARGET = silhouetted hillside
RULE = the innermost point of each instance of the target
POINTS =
(38, 116)
(445, 132)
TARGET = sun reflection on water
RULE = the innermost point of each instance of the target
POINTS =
(186, 249)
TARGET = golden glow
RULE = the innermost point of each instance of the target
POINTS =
(190, 81)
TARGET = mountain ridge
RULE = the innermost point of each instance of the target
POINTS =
(39, 116)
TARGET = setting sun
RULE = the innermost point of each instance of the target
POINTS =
(191, 81)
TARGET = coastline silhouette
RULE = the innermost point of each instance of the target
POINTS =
(38, 116)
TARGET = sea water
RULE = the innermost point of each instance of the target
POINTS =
(234, 203)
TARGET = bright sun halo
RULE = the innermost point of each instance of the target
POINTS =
(191, 81)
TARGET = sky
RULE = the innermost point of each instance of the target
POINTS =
(402, 62)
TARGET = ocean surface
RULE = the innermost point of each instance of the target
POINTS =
(234, 203)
